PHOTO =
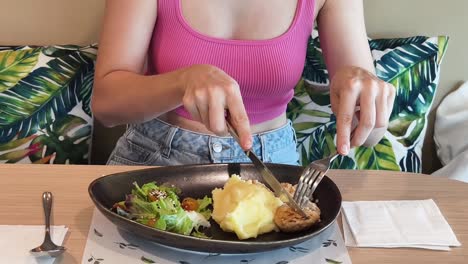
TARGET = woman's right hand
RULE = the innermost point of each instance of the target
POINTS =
(209, 91)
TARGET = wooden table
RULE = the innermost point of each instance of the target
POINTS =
(22, 187)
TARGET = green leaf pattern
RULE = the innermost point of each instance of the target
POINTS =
(15, 65)
(380, 157)
(45, 95)
(411, 65)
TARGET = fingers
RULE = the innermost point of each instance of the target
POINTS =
(239, 119)
(208, 93)
(381, 122)
(354, 86)
(217, 123)
(197, 105)
(348, 99)
(191, 107)
(384, 106)
(334, 100)
(381, 105)
(367, 116)
(203, 110)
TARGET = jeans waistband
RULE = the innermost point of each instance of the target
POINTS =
(220, 149)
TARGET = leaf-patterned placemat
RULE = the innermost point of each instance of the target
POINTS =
(107, 244)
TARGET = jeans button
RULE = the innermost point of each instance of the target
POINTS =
(217, 147)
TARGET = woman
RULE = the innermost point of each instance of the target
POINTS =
(174, 69)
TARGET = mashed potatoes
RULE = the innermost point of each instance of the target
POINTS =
(245, 208)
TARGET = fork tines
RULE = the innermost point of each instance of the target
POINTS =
(307, 184)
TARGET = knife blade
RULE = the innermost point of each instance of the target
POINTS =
(267, 175)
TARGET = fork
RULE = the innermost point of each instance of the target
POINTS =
(313, 174)
(310, 178)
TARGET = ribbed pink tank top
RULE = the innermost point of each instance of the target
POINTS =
(266, 70)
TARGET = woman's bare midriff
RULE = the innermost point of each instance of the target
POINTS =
(182, 122)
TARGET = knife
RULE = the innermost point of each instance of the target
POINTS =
(267, 175)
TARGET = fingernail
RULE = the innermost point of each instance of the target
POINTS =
(344, 149)
(248, 144)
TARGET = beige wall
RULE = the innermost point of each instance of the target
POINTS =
(77, 21)
(41, 22)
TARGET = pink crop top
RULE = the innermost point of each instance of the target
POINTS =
(266, 70)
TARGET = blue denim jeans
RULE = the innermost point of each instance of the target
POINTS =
(161, 144)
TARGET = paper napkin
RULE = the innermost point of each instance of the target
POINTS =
(17, 240)
(417, 224)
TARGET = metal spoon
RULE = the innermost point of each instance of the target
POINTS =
(48, 247)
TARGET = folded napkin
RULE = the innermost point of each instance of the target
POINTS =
(416, 224)
(17, 240)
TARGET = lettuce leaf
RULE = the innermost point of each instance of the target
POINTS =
(179, 222)
(199, 234)
(203, 207)
(166, 213)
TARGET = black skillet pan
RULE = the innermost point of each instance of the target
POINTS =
(199, 180)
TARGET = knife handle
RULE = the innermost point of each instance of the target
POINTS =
(233, 132)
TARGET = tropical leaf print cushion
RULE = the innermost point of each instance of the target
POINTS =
(411, 65)
(45, 114)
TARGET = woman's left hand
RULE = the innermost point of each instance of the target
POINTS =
(353, 86)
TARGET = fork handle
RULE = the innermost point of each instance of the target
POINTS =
(332, 158)
(47, 205)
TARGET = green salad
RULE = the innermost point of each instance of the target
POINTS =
(160, 207)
